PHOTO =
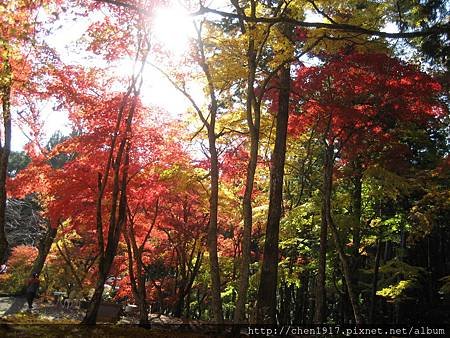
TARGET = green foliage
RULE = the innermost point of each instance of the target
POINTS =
(61, 158)
(17, 161)
(445, 288)
(396, 268)
(399, 279)
(229, 298)
(395, 292)
(381, 183)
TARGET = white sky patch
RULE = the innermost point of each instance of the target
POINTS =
(390, 27)
(158, 91)
(64, 34)
(172, 28)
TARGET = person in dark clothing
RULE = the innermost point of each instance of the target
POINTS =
(32, 289)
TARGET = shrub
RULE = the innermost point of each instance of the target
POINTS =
(19, 266)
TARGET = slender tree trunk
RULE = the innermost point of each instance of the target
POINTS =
(105, 266)
(214, 268)
(131, 270)
(137, 276)
(430, 271)
(356, 210)
(320, 313)
(356, 207)
(118, 200)
(143, 305)
(328, 170)
(5, 149)
(212, 231)
(43, 249)
(117, 220)
(214, 181)
(253, 123)
(301, 304)
(186, 287)
(94, 305)
(267, 292)
(348, 277)
(347, 272)
(375, 283)
(179, 305)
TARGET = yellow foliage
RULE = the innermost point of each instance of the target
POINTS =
(393, 292)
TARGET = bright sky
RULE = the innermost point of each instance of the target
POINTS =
(173, 27)
(156, 91)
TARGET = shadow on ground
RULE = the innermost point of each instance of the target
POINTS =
(16, 306)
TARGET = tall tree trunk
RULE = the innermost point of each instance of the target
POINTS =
(356, 207)
(137, 276)
(94, 305)
(105, 264)
(267, 292)
(118, 218)
(328, 170)
(320, 313)
(301, 305)
(356, 210)
(5, 149)
(212, 231)
(347, 275)
(210, 125)
(142, 294)
(253, 123)
(186, 286)
(118, 160)
(375, 283)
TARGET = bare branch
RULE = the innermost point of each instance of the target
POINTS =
(321, 12)
(435, 30)
(183, 91)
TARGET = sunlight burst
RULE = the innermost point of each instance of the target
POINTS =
(172, 28)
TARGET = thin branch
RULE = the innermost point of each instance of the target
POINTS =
(321, 12)
(183, 91)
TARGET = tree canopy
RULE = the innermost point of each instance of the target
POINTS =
(306, 179)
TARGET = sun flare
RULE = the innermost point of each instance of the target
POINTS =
(172, 28)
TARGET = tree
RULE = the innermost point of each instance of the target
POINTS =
(356, 101)
(209, 119)
(158, 212)
(16, 80)
(29, 186)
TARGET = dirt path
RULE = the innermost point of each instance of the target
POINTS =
(12, 305)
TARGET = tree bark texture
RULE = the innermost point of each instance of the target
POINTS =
(212, 232)
(253, 123)
(375, 283)
(43, 249)
(320, 299)
(118, 213)
(214, 267)
(5, 149)
(266, 298)
(328, 170)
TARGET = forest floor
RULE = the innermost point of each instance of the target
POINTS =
(49, 320)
